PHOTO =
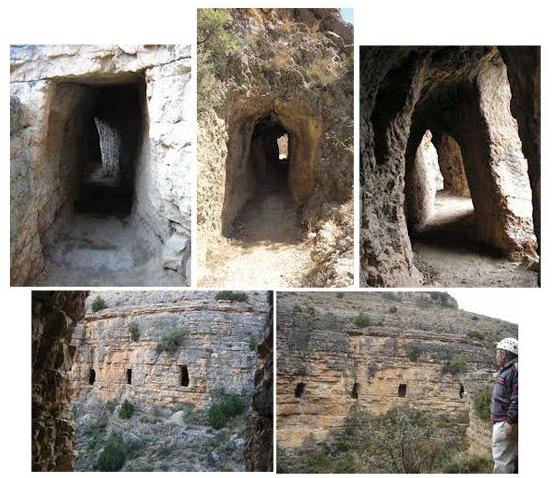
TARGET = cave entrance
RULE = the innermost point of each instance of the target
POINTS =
(91, 376)
(402, 390)
(355, 391)
(299, 390)
(110, 139)
(185, 379)
(129, 376)
(269, 212)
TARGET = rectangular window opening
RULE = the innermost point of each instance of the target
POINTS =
(185, 379)
(129, 376)
(402, 389)
(91, 376)
(299, 390)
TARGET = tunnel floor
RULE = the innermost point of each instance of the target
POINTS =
(447, 255)
(267, 244)
(96, 250)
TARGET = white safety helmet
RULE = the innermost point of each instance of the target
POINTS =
(509, 344)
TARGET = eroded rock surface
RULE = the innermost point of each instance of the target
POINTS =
(213, 350)
(287, 72)
(460, 92)
(54, 98)
(406, 355)
(54, 318)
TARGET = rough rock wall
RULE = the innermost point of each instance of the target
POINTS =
(421, 186)
(460, 91)
(215, 348)
(54, 317)
(523, 71)
(49, 93)
(410, 340)
(452, 165)
(259, 450)
(295, 66)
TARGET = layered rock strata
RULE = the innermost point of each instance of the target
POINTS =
(212, 350)
(418, 350)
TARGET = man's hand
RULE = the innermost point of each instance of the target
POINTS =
(510, 429)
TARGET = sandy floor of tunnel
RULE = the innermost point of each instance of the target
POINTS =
(447, 255)
(97, 250)
(266, 248)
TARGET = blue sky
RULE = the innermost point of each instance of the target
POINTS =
(347, 14)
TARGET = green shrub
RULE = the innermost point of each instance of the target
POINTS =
(474, 317)
(232, 296)
(98, 304)
(456, 364)
(413, 353)
(475, 335)
(402, 441)
(469, 463)
(393, 309)
(227, 407)
(340, 295)
(482, 403)
(171, 340)
(253, 343)
(112, 456)
(362, 320)
(134, 330)
(126, 410)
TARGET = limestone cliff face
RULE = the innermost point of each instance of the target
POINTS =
(213, 351)
(292, 67)
(54, 317)
(327, 363)
(51, 89)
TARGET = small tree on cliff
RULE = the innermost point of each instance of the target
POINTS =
(406, 442)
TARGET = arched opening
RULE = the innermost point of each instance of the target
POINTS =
(129, 376)
(270, 213)
(355, 391)
(91, 376)
(402, 390)
(476, 229)
(299, 390)
(185, 379)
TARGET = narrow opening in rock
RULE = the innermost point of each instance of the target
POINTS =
(91, 376)
(402, 389)
(108, 148)
(299, 390)
(185, 379)
(129, 376)
(269, 214)
(355, 391)
(461, 391)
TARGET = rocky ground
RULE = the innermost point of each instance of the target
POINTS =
(157, 438)
(446, 253)
(96, 250)
(267, 246)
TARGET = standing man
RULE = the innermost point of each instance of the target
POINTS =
(504, 408)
